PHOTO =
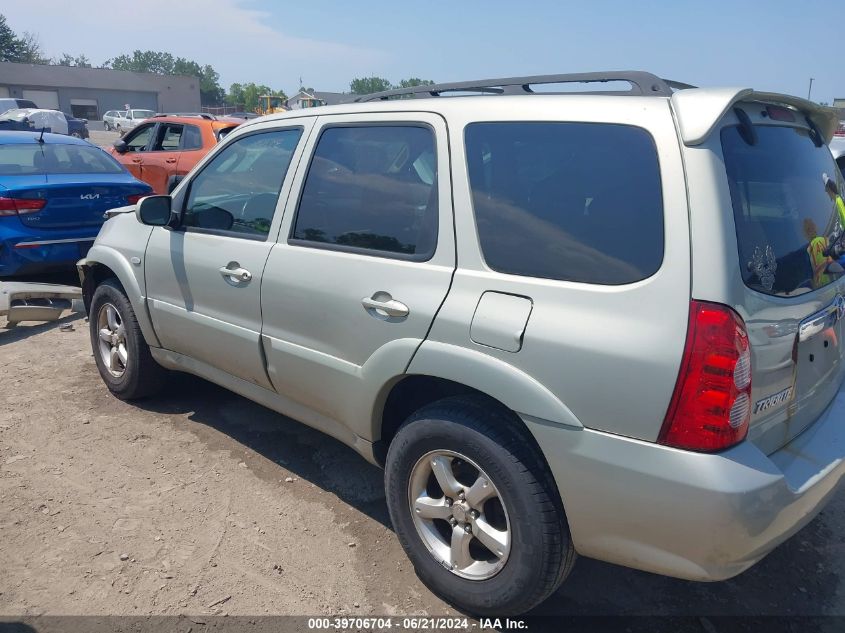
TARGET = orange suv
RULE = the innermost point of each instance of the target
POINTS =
(164, 148)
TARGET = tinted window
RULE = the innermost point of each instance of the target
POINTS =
(237, 191)
(786, 196)
(20, 159)
(138, 139)
(192, 138)
(571, 201)
(168, 137)
(372, 188)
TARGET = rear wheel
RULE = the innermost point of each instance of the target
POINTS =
(475, 508)
(106, 126)
(122, 355)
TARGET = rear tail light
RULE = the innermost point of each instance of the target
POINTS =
(134, 198)
(711, 407)
(20, 206)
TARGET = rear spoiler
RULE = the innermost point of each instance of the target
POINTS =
(699, 110)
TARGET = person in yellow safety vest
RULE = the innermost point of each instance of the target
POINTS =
(833, 192)
(815, 249)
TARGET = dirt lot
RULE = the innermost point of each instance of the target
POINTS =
(202, 502)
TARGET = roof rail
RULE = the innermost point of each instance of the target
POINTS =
(641, 83)
(192, 115)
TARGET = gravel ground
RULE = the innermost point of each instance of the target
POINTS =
(202, 502)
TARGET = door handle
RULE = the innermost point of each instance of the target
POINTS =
(236, 274)
(137, 160)
(389, 307)
(169, 160)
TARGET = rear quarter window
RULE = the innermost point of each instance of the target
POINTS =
(569, 201)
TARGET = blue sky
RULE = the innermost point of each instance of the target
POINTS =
(773, 45)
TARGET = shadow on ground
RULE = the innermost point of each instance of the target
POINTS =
(280, 441)
(801, 577)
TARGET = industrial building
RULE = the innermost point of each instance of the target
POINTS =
(90, 92)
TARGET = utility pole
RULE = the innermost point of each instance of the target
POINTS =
(810, 89)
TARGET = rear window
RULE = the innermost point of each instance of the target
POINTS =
(571, 201)
(19, 160)
(786, 197)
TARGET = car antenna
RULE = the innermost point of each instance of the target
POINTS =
(41, 137)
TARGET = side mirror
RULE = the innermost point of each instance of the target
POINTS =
(121, 146)
(154, 211)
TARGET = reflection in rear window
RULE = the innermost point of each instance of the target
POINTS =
(786, 197)
(571, 201)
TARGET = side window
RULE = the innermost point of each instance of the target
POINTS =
(238, 189)
(169, 135)
(371, 188)
(137, 140)
(571, 201)
(191, 138)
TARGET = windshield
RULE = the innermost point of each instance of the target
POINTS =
(788, 209)
(18, 159)
(142, 114)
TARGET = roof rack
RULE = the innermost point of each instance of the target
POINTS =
(642, 84)
(191, 115)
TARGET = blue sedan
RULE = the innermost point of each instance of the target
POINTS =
(54, 190)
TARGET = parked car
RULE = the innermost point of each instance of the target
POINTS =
(77, 127)
(27, 119)
(13, 104)
(130, 119)
(54, 190)
(562, 323)
(110, 117)
(243, 115)
(165, 148)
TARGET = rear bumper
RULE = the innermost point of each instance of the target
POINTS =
(26, 252)
(691, 515)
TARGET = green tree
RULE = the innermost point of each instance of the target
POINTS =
(10, 45)
(160, 63)
(367, 85)
(235, 96)
(414, 81)
(80, 61)
(31, 52)
(144, 62)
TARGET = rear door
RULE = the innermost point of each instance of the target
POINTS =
(196, 143)
(364, 260)
(784, 192)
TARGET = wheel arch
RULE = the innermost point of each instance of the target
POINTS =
(440, 371)
(106, 264)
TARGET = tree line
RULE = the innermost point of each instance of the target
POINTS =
(27, 49)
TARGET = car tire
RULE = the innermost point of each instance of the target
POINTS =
(106, 126)
(480, 443)
(124, 361)
(76, 134)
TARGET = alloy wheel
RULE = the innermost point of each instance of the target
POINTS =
(112, 340)
(459, 515)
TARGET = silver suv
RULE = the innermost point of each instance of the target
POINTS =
(608, 323)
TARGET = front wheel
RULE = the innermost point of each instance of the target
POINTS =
(122, 355)
(106, 126)
(475, 508)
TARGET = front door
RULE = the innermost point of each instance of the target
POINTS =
(138, 141)
(361, 269)
(205, 277)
